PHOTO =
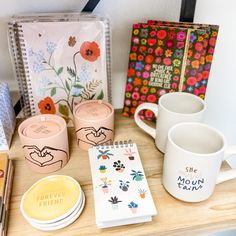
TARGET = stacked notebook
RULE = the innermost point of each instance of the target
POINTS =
(7, 117)
(60, 60)
(168, 57)
(121, 192)
(6, 178)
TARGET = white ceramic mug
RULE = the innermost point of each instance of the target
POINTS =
(194, 154)
(172, 108)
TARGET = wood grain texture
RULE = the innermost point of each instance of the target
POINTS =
(174, 217)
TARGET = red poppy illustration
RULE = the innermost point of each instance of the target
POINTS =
(47, 106)
(72, 41)
(90, 51)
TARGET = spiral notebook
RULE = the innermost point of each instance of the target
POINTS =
(121, 192)
(60, 60)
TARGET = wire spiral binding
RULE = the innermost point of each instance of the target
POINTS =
(18, 54)
(19, 51)
(115, 144)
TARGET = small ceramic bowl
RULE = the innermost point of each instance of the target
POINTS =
(51, 199)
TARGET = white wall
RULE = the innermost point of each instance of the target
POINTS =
(221, 94)
(221, 91)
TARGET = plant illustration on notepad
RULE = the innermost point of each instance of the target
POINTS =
(124, 186)
(129, 153)
(119, 166)
(137, 175)
(102, 169)
(114, 201)
(105, 184)
(65, 80)
(142, 193)
(104, 154)
(133, 207)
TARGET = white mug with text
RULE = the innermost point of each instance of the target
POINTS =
(172, 108)
(192, 162)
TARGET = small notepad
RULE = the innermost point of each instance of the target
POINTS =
(121, 192)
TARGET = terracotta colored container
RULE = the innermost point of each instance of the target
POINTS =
(94, 123)
(44, 140)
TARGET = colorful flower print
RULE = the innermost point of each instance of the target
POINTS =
(139, 65)
(195, 64)
(160, 42)
(157, 62)
(169, 43)
(149, 59)
(131, 72)
(129, 87)
(181, 36)
(159, 51)
(144, 33)
(172, 35)
(142, 49)
(134, 49)
(161, 92)
(145, 75)
(136, 31)
(133, 56)
(178, 53)
(46, 106)
(167, 61)
(193, 37)
(135, 95)
(212, 42)
(135, 40)
(168, 53)
(152, 33)
(137, 82)
(148, 114)
(205, 74)
(140, 57)
(161, 34)
(144, 90)
(198, 47)
(209, 58)
(90, 51)
(147, 67)
(151, 98)
(176, 62)
(151, 42)
(127, 102)
(191, 81)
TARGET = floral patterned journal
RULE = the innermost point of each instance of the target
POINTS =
(121, 192)
(167, 57)
(65, 62)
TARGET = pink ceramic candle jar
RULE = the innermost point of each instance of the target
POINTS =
(94, 123)
(44, 140)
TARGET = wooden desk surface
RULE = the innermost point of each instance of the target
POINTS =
(174, 217)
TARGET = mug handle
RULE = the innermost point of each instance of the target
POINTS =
(228, 174)
(150, 106)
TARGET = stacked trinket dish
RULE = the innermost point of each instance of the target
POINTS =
(53, 202)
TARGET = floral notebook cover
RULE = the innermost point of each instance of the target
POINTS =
(167, 57)
(121, 192)
(64, 62)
